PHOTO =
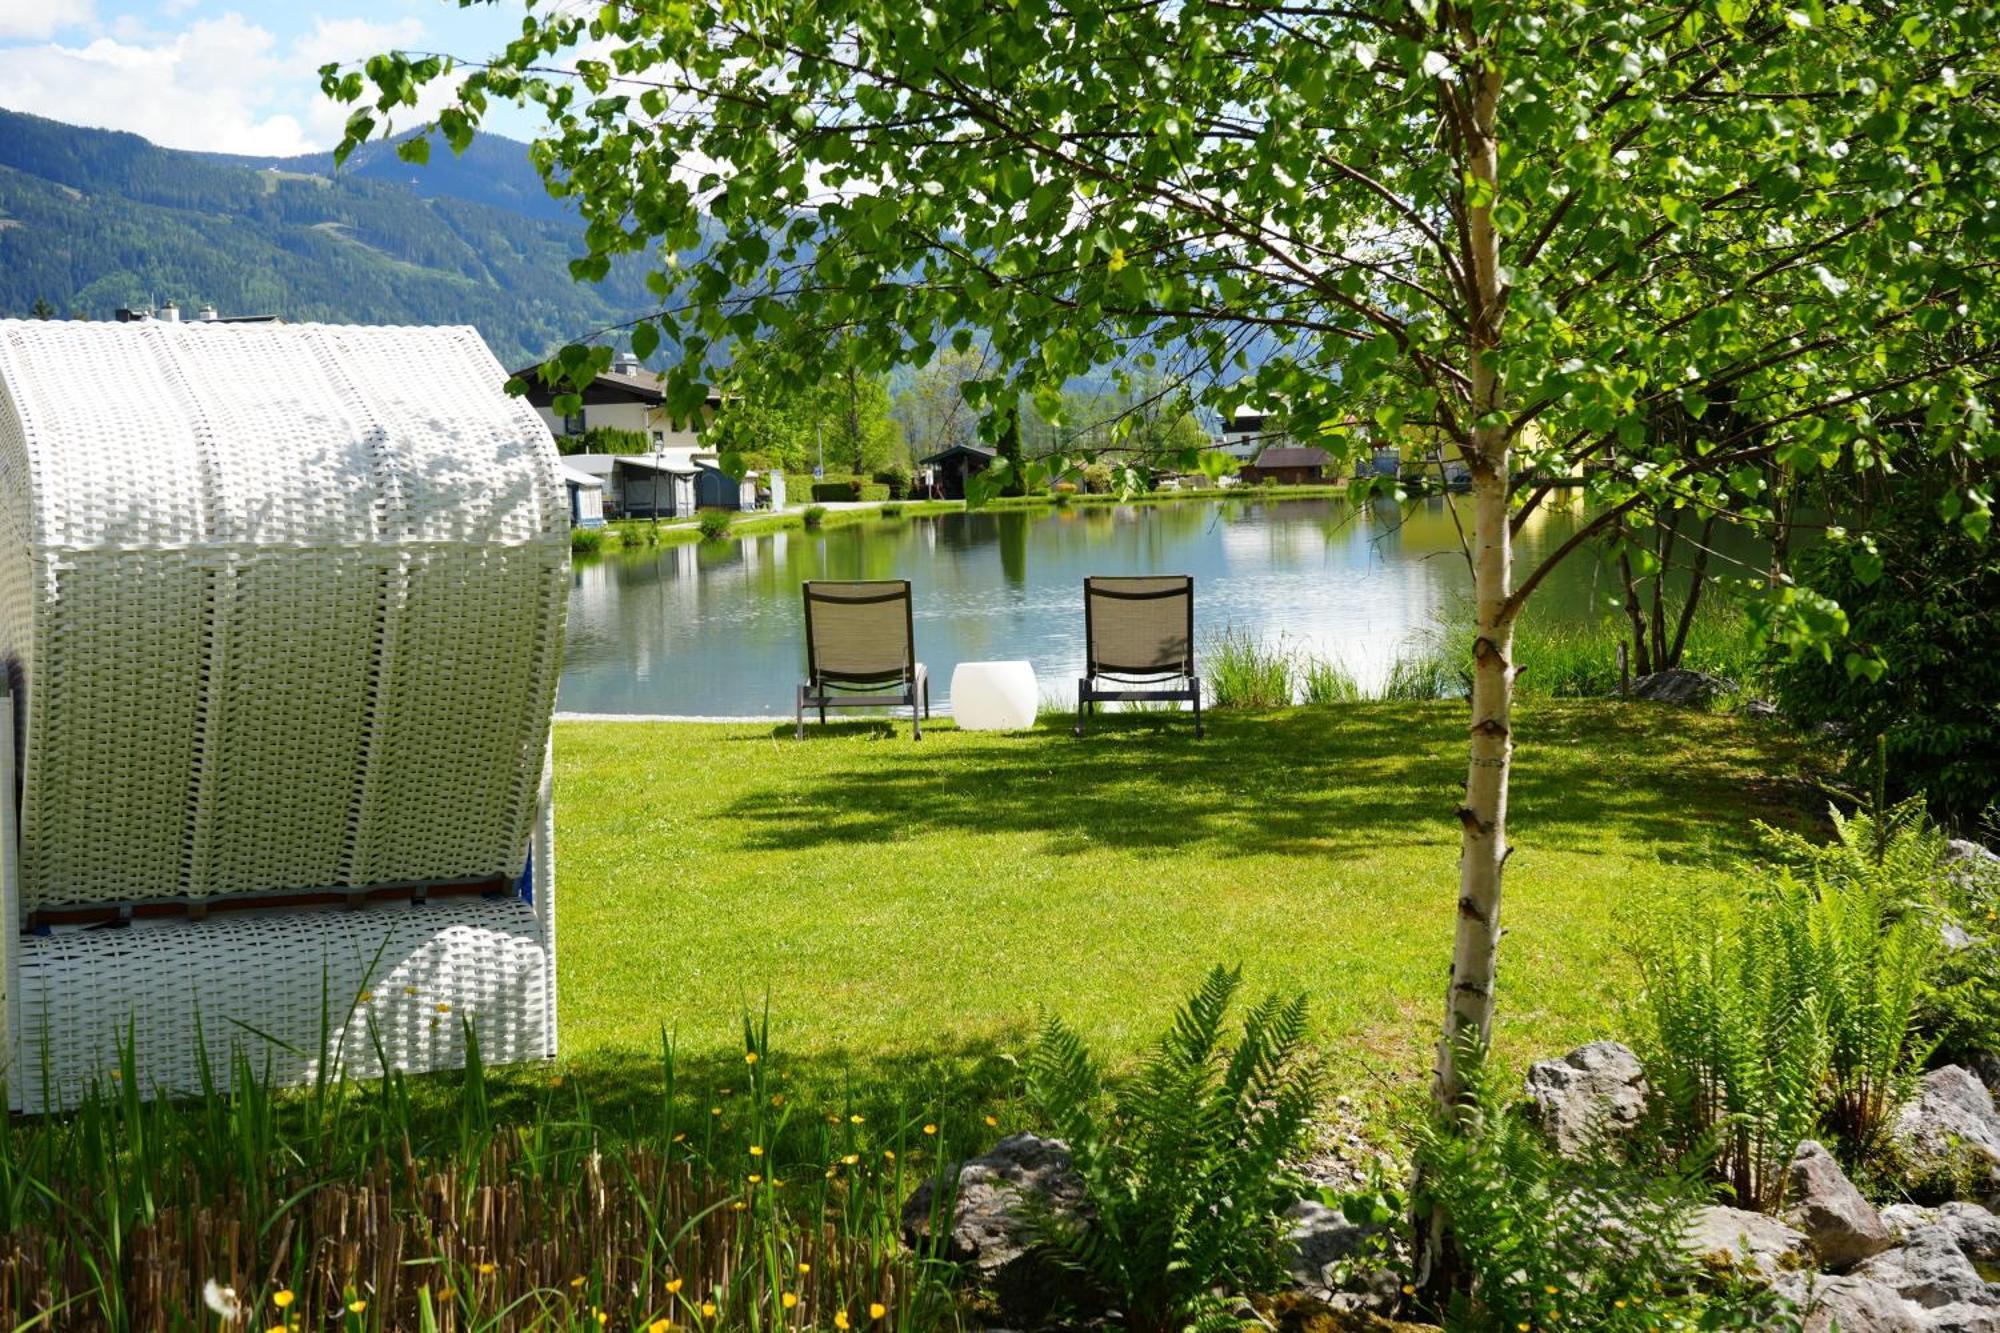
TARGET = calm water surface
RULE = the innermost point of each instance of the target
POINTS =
(715, 629)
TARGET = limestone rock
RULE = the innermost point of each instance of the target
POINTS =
(1320, 1243)
(1931, 1270)
(1592, 1095)
(988, 1229)
(1844, 1227)
(1752, 1242)
(1851, 1304)
(1950, 1130)
(1678, 685)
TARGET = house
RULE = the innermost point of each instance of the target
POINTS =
(673, 483)
(586, 497)
(947, 469)
(626, 397)
(1248, 433)
(1287, 466)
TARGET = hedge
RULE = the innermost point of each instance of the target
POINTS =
(852, 488)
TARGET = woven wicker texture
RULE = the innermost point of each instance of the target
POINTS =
(404, 977)
(1135, 630)
(284, 604)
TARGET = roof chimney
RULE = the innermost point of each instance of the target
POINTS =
(207, 314)
(171, 313)
(624, 363)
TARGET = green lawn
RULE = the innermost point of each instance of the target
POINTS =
(905, 908)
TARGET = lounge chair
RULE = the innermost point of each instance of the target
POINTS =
(859, 637)
(1138, 643)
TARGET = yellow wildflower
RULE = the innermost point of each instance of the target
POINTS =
(993, 1122)
(282, 1299)
(876, 1310)
(486, 1270)
(749, 1057)
(789, 1299)
(930, 1129)
(756, 1150)
(674, 1285)
(708, 1309)
(805, 1267)
(840, 1321)
(755, 1179)
(854, 1119)
(658, 1326)
(576, 1281)
(356, 1306)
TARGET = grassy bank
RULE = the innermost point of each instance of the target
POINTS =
(641, 534)
(906, 908)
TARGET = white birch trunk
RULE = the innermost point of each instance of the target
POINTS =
(1483, 817)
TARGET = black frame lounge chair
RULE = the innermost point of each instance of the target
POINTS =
(1138, 632)
(860, 637)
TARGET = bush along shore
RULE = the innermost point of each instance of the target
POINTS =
(1794, 1132)
(640, 534)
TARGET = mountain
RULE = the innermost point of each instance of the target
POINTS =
(95, 219)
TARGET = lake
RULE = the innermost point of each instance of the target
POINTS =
(715, 629)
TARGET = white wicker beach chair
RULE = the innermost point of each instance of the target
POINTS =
(282, 611)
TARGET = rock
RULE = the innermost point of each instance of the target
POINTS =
(1903, 1218)
(989, 1231)
(1974, 1230)
(1322, 1242)
(1967, 856)
(1954, 937)
(1963, 1318)
(1760, 708)
(1592, 1095)
(1844, 1227)
(1753, 1242)
(1851, 1305)
(1931, 1270)
(1949, 1132)
(1986, 1064)
(1678, 685)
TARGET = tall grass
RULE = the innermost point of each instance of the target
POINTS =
(365, 1206)
(1245, 672)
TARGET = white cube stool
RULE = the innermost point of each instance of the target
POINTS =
(994, 696)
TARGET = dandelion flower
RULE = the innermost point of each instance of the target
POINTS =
(737, 1206)
(486, 1270)
(756, 1150)
(602, 1318)
(1409, 1290)
(889, 1154)
(855, 1119)
(876, 1309)
(222, 1300)
(789, 1299)
(444, 1008)
(658, 1326)
(930, 1129)
(851, 1158)
(993, 1122)
(715, 1110)
(282, 1299)
(1549, 1289)
(756, 1179)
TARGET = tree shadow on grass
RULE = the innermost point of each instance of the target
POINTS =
(719, 1100)
(1340, 782)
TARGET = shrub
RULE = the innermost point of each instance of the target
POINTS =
(1182, 1163)
(1926, 610)
(892, 511)
(606, 440)
(635, 532)
(714, 524)
(1098, 479)
(1553, 1245)
(897, 479)
(814, 516)
(586, 541)
(1244, 673)
(842, 489)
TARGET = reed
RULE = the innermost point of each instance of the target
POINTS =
(380, 1204)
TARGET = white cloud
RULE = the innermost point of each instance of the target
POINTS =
(220, 84)
(34, 20)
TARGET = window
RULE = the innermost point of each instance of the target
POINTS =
(573, 424)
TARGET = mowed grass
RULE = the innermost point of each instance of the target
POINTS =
(904, 910)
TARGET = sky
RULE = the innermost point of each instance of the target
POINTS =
(230, 76)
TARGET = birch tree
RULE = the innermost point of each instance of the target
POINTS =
(1472, 218)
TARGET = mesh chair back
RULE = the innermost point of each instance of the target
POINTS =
(858, 633)
(1140, 626)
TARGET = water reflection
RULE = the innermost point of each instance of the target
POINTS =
(714, 629)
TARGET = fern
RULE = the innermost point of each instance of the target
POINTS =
(1182, 1162)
